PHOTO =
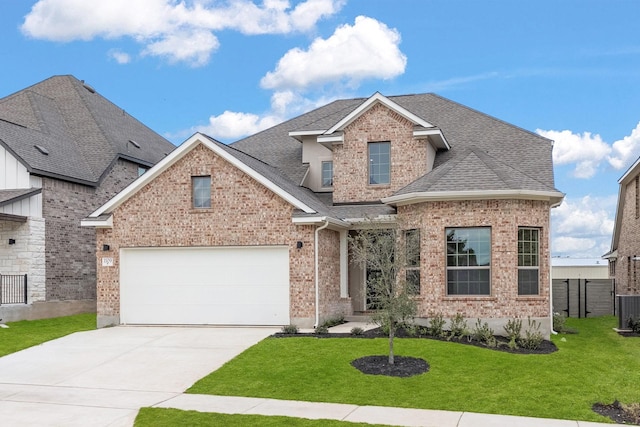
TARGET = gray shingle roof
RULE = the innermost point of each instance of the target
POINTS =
(82, 131)
(509, 157)
(11, 196)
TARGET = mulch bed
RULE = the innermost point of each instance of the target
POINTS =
(628, 334)
(402, 366)
(546, 347)
(616, 413)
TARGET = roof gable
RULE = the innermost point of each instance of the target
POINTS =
(81, 130)
(238, 159)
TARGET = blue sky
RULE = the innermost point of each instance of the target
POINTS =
(568, 70)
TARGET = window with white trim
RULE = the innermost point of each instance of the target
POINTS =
(327, 174)
(201, 191)
(379, 162)
(468, 261)
(528, 261)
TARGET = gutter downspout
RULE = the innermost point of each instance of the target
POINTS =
(326, 224)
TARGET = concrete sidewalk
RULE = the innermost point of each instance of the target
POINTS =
(361, 414)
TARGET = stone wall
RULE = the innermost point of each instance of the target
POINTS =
(26, 256)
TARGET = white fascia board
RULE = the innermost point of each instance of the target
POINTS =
(630, 173)
(300, 134)
(105, 223)
(375, 98)
(337, 138)
(436, 196)
(436, 134)
(176, 155)
(315, 220)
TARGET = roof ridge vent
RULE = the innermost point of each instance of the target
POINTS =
(41, 149)
(135, 144)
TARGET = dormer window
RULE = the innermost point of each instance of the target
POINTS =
(327, 174)
(379, 163)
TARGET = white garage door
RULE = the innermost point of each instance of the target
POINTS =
(205, 286)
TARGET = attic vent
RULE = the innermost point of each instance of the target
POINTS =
(135, 144)
(89, 88)
(41, 149)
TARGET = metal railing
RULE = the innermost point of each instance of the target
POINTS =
(13, 289)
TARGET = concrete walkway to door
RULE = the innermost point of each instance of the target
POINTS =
(101, 378)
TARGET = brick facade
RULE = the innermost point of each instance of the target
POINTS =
(503, 217)
(71, 249)
(627, 271)
(331, 304)
(351, 159)
(243, 212)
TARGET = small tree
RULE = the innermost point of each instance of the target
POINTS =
(389, 292)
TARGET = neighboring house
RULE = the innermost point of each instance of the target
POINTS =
(624, 256)
(64, 151)
(582, 287)
(257, 232)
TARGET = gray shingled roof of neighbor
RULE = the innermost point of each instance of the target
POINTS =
(82, 132)
(490, 154)
(11, 196)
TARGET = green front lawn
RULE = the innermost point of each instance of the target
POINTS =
(27, 333)
(596, 365)
(161, 417)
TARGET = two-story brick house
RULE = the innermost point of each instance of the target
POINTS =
(64, 151)
(624, 256)
(257, 232)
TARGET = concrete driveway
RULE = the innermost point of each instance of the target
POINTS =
(101, 378)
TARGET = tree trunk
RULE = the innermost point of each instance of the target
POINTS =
(391, 334)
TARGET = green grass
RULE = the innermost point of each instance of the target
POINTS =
(160, 417)
(596, 365)
(27, 333)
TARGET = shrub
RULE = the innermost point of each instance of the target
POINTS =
(436, 325)
(356, 330)
(634, 324)
(290, 329)
(532, 335)
(322, 330)
(559, 322)
(512, 329)
(484, 334)
(458, 327)
(334, 321)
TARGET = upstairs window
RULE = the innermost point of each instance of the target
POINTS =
(379, 163)
(327, 174)
(528, 261)
(468, 261)
(201, 186)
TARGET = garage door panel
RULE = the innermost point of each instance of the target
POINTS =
(230, 285)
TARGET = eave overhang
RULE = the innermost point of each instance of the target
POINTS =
(103, 221)
(334, 223)
(555, 197)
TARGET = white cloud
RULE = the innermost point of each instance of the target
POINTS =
(368, 49)
(573, 245)
(177, 30)
(232, 125)
(195, 47)
(583, 227)
(626, 150)
(585, 150)
(119, 56)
